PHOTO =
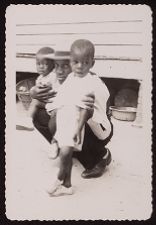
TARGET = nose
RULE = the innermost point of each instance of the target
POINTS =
(41, 66)
(79, 65)
(59, 70)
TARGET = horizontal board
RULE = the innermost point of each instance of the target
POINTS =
(119, 69)
(120, 51)
(112, 69)
(25, 65)
(102, 39)
(108, 51)
(94, 27)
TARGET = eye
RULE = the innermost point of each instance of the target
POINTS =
(45, 62)
(39, 64)
(74, 61)
(66, 66)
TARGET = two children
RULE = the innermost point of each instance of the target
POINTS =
(71, 113)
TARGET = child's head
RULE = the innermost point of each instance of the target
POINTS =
(44, 65)
(82, 57)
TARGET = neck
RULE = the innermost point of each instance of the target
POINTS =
(60, 81)
(76, 75)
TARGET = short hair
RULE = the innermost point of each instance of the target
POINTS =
(85, 46)
(45, 51)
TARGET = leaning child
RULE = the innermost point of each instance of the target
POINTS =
(45, 79)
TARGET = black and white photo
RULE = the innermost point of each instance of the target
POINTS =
(78, 112)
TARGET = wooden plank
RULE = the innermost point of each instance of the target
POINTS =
(97, 57)
(80, 22)
(119, 69)
(107, 51)
(120, 51)
(97, 39)
(25, 65)
(98, 27)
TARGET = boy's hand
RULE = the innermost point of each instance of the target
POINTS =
(42, 94)
(77, 137)
(88, 100)
(43, 84)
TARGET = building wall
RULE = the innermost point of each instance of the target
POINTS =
(118, 34)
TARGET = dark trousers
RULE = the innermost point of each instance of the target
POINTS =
(93, 149)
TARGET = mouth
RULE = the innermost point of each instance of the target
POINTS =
(41, 72)
(79, 72)
(60, 76)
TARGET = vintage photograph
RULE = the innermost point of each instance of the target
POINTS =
(85, 71)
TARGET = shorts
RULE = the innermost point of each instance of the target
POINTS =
(67, 120)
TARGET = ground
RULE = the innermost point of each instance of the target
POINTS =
(123, 192)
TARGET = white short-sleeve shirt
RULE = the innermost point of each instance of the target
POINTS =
(75, 88)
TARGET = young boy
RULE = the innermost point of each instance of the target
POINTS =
(72, 113)
(46, 78)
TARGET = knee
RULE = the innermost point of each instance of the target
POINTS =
(66, 152)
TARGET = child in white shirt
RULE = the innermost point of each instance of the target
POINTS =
(72, 114)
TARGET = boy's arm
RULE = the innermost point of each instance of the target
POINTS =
(85, 114)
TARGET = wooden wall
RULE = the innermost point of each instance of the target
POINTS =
(117, 33)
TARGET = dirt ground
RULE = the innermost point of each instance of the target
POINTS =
(123, 192)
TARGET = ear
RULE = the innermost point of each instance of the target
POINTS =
(93, 62)
(52, 63)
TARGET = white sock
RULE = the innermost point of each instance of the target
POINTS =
(105, 156)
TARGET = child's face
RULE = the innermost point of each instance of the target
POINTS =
(44, 66)
(62, 69)
(81, 64)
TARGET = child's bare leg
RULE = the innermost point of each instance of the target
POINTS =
(54, 150)
(65, 164)
(66, 188)
(35, 104)
(67, 180)
(33, 108)
(64, 169)
(52, 122)
(27, 123)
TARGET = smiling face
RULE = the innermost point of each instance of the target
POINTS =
(62, 69)
(44, 66)
(81, 63)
